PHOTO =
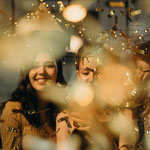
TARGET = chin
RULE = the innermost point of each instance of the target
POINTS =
(39, 89)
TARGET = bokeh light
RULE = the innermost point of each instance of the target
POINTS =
(74, 13)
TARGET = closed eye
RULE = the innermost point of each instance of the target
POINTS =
(49, 64)
(85, 73)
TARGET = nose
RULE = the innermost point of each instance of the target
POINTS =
(41, 70)
(90, 78)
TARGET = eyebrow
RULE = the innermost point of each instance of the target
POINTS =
(87, 69)
(90, 69)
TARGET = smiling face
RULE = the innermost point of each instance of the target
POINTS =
(44, 69)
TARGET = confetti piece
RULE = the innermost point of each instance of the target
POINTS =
(111, 13)
(130, 9)
(11, 129)
(66, 119)
(140, 51)
(114, 28)
(31, 112)
(117, 4)
(2, 12)
(99, 10)
(136, 12)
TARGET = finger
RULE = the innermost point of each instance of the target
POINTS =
(148, 76)
(78, 115)
(80, 121)
(140, 76)
(145, 76)
(84, 128)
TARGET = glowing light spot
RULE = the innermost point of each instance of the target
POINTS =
(111, 48)
(74, 13)
(75, 43)
(136, 31)
(146, 31)
(140, 37)
(127, 74)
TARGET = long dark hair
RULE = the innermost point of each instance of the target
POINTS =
(26, 95)
(143, 109)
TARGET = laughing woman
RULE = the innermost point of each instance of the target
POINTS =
(26, 113)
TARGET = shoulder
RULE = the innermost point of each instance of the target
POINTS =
(10, 105)
(13, 104)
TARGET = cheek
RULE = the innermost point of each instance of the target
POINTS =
(52, 73)
(32, 74)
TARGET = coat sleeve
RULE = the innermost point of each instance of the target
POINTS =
(10, 127)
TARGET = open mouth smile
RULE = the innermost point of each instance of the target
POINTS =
(42, 80)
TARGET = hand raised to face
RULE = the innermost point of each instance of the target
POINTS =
(142, 71)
